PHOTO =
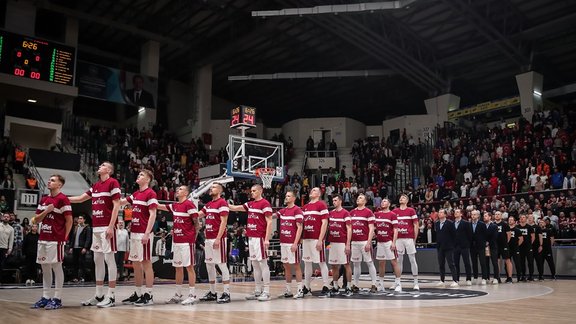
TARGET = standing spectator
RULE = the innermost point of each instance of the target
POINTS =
(121, 248)
(8, 183)
(30, 251)
(79, 242)
(18, 234)
(6, 240)
(569, 180)
(446, 236)
(557, 179)
(4, 207)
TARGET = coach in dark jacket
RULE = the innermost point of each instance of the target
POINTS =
(492, 240)
(445, 239)
(79, 242)
(478, 248)
(462, 243)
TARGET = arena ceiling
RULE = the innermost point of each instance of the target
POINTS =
(470, 48)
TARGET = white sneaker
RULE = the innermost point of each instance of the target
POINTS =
(468, 282)
(92, 301)
(32, 282)
(299, 294)
(483, 283)
(176, 299)
(416, 287)
(254, 296)
(107, 302)
(398, 288)
(264, 296)
(440, 284)
(454, 284)
(190, 300)
(381, 287)
(27, 282)
(394, 285)
(494, 281)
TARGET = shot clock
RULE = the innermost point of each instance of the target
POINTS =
(37, 59)
(243, 116)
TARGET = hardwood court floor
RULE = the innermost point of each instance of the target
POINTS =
(548, 301)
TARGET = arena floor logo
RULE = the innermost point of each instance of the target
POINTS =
(423, 294)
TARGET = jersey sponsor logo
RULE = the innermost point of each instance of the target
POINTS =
(252, 226)
(97, 213)
(336, 225)
(358, 231)
(286, 232)
(136, 209)
(423, 294)
(286, 223)
(178, 220)
(46, 227)
(209, 227)
(335, 233)
(308, 228)
(178, 231)
(135, 221)
(382, 232)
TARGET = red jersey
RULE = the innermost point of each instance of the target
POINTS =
(214, 210)
(53, 227)
(360, 219)
(314, 213)
(103, 194)
(184, 215)
(289, 220)
(338, 226)
(385, 224)
(142, 202)
(406, 220)
(257, 213)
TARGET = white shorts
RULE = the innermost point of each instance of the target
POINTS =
(215, 256)
(405, 246)
(101, 244)
(50, 252)
(287, 256)
(256, 249)
(384, 252)
(337, 254)
(309, 252)
(358, 254)
(138, 251)
(183, 254)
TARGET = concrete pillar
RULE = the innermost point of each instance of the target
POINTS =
(149, 65)
(71, 37)
(438, 107)
(21, 17)
(202, 101)
(530, 89)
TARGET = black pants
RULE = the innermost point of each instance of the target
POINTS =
(78, 263)
(493, 258)
(443, 257)
(119, 257)
(545, 256)
(2, 261)
(526, 256)
(465, 254)
(479, 254)
(342, 273)
(31, 268)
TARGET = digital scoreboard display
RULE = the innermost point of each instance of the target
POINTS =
(243, 116)
(33, 58)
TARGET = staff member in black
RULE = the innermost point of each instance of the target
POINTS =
(80, 241)
(548, 236)
(516, 239)
(445, 236)
(526, 254)
(537, 244)
(503, 239)
(478, 248)
(492, 248)
(462, 242)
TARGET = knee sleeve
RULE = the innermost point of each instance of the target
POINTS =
(225, 272)
(111, 263)
(99, 270)
(211, 269)
(413, 264)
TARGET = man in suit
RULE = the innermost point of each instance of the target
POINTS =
(79, 241)
(478, 248)
(445, 237)
(137, 96)
(492, 240)
(462, 242)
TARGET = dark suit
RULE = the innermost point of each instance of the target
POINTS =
(462, 243)
(144, 100)
(478, 250)
(492, 239)
(445, 240)
(84, 242)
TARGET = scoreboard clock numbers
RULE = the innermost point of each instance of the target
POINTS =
(243, 116)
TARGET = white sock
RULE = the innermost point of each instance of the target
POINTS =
(356, 274)
(192, 291)
(149, 291)
(288, 287)
(397, 281)
(324, 271)
(307, 274)
(415, 280)
(213, 287)
(99, 291)
(139, 291)
(46, 280)
(300, 286)
(227, 288)
(372, 271)
(58, 279)
(381, 279)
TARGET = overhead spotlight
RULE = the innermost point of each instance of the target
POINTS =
(537, 93)
(32, 100)
(141, 109)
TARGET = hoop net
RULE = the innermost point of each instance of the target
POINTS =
(266, 174)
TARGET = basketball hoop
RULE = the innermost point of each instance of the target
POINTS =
(266, 174)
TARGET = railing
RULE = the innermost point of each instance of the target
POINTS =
(34, 172)
(317, 154)
(85, 169)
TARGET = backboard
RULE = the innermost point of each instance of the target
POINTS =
(248, 154)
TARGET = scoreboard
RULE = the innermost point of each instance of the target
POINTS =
(243, 116)
(34, 58)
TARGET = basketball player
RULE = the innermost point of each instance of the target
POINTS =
(504, 235)
(291, 219)
(362, 220)
(525, 249)
(144, 205)
(105, 196)
(386, 223)
(408, 229)
(258, 231)
(183, 243)
(340, 238)
(313, 250)
(55, 214)
(516, 239)
(216, 214)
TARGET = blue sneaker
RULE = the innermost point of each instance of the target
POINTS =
(54, 303)
(41, 303)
